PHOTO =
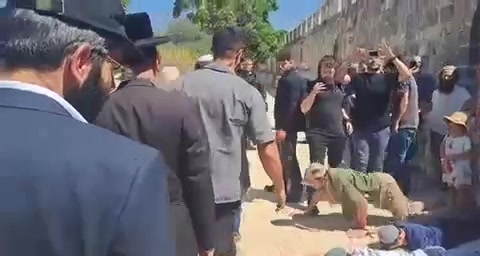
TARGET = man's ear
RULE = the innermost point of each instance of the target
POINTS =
(79, 64)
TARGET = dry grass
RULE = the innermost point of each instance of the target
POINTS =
(183, 58)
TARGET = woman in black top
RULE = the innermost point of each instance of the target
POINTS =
(325, 116)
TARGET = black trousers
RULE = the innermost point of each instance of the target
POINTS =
(435, 142)
(186, 243)
(321, 146)
(224, 228)
(291, 169)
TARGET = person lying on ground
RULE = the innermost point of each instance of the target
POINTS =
(447, 232)
(431, 251)
(410, 236)
(348, 187)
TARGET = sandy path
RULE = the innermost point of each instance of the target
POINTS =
(266, 233)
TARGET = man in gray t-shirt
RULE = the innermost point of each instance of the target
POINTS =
(231, 108)
(405, 120)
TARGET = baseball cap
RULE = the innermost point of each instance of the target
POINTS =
(388, 235)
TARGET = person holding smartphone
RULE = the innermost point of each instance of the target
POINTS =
(326, 121)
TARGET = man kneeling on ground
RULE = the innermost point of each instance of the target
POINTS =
(348, 187)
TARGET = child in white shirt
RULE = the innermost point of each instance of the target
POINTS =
(456, 158)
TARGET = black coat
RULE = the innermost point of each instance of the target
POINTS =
(169, 121)
(291, 90)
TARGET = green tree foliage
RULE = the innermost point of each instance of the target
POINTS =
(126, 3)
(252, 15)
(187, 35)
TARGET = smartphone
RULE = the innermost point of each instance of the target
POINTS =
(373, 53)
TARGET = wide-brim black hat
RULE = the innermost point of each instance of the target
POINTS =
(139, 30)
(105, 17)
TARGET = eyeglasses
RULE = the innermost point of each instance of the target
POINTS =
(118, 70)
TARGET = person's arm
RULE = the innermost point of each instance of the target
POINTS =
(355, 206)
(307, 103)
(404, 73)
(401, 95)
(259, 131)
(195, 168)
(341, 71)
(143, 224)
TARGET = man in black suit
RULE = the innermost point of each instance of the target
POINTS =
(168, 121)
(288, 121)
(68, 187)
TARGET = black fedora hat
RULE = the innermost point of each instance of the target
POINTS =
(139, 30)
(105, 17)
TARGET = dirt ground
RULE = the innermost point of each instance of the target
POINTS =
(290, 233)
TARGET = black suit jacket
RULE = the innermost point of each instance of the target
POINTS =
(168, 121)
(290, 92)
(73, 189)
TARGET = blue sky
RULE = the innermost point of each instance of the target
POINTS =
(290, 14)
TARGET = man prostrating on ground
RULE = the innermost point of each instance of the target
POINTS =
(348, 187)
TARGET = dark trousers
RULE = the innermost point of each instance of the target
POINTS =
(186, 243)
(322, 146)
(291, 170)
(369, 149)
(435, 142)
(224, 228)
(348, 154)
(238, 220)
(400, 150)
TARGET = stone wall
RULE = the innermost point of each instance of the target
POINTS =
(441, 31)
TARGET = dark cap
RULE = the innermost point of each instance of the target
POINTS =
(139, 30)
(105, 17)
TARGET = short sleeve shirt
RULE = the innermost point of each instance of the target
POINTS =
(410, 118)
(230, 109)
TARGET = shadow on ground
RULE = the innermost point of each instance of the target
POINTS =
(261, 194)
(330, 222)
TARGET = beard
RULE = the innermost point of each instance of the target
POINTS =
(446, 87)
(89, 98)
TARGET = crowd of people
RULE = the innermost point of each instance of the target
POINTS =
(92, 167)
(142, 168)
(366, 118)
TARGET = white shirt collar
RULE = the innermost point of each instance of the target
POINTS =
(5, 84)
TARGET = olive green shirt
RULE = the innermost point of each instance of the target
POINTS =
(349, 188)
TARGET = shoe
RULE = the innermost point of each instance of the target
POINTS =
(312, 211)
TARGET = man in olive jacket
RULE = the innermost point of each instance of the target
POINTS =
(348, 187)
